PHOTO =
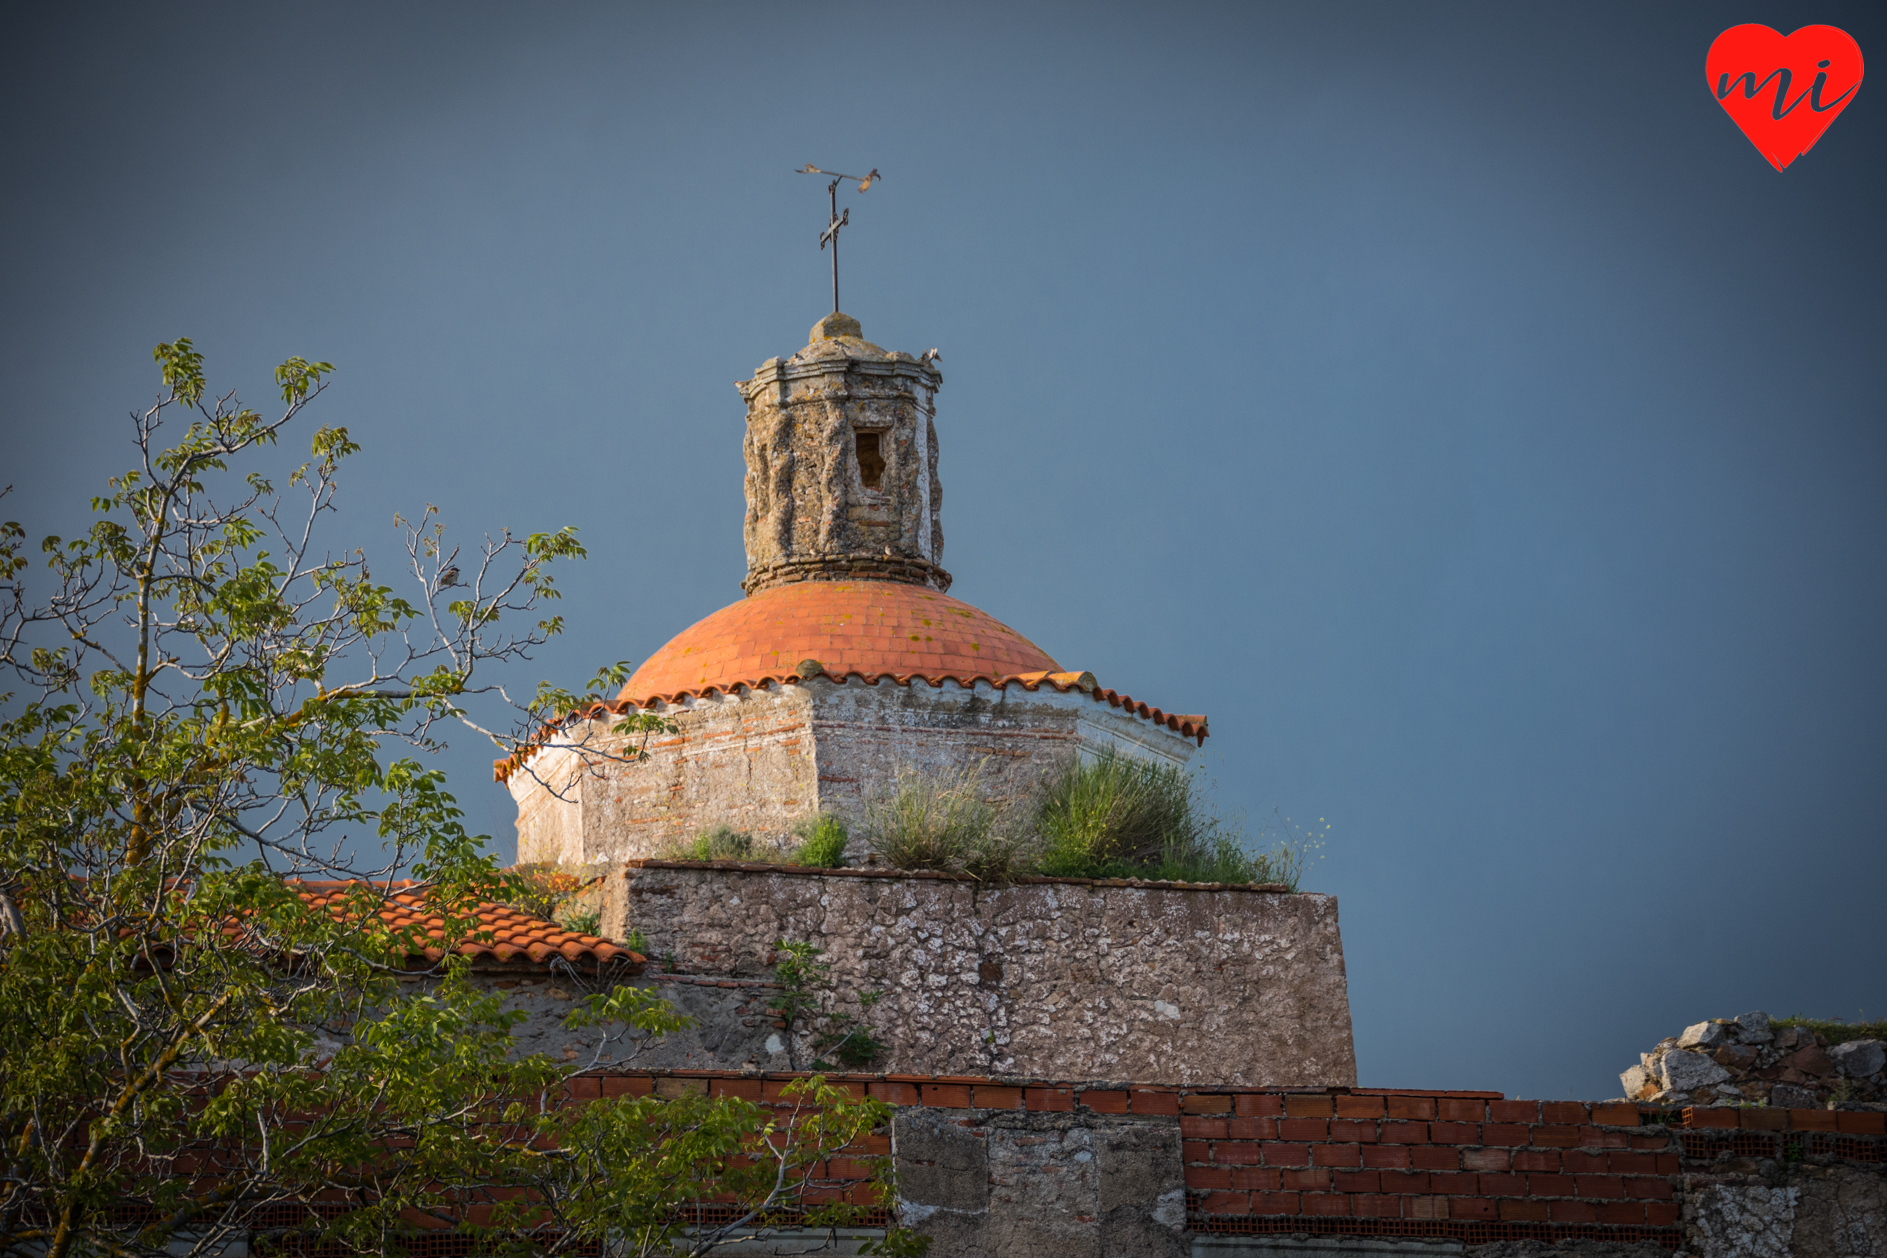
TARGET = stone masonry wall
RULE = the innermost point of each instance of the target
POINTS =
(758, 760)
(1068, 978)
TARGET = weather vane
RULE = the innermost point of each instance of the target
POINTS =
(831, 232)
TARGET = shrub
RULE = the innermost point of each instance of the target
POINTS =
(541, 889)
(940, 821)
(571, 898)
(822, 840)
(810, 1004)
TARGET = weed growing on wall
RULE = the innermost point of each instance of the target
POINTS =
(722, 843)
(822, 841)
(809, 1004)
(1292, 850)
(586, 922)
(1114, 816)
(1117, 817)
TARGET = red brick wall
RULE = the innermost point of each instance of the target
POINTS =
(1448, 1158)
(1468, 1165)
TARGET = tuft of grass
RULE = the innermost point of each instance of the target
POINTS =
(941, 821)
(585, 923)
(822, 841)
(1291, 852)
(721, 843)
(1219, 858)
(1835, 1031)
(1117, 817)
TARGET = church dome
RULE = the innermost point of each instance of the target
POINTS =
(872, 628)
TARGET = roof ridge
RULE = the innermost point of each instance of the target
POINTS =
(1188, 725)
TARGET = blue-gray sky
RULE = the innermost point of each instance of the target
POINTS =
(1449, 401)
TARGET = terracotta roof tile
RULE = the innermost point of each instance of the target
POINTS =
(869, 626)
(855, 628)
(514, 935)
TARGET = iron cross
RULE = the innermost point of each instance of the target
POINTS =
(831, 233)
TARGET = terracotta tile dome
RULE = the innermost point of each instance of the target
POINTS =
(867, 627)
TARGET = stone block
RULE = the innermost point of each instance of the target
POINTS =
(1681, 1070)
(1750, 1221)
(1753, 1028)
(1811, 1060)
(1704, 1035)
(1859, 1059)
(1142, 1192)
(941, 1164)
(1841, 1212)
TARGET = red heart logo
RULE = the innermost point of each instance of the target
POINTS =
(1782, 91)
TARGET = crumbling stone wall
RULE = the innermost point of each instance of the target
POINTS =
(760, 759)
(1062, 978)
(1746, 1060)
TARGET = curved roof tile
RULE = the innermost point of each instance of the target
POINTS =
(1187, 725)
(515, 936)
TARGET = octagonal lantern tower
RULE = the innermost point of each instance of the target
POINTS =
(842, 464)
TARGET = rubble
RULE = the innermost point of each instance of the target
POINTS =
(1747, 1060)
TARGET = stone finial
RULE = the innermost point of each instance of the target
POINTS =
(841, 453)
(836, 325)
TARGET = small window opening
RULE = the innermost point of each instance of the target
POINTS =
(871, 462)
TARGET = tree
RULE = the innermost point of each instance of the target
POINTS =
(208, 708)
